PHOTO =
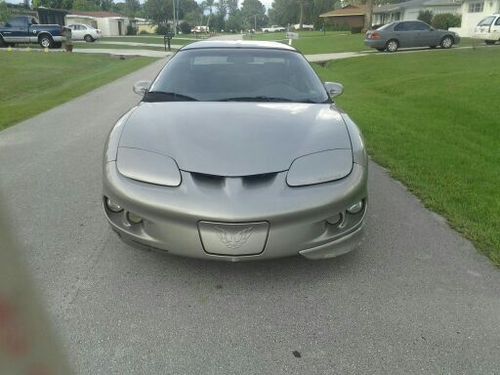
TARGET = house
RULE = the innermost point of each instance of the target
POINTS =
(444, 6)
(474, 11)
(110, 24)
(351, 16)
(407, 10)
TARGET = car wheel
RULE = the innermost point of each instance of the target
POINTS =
(392, 45)
(446, 42)
(88, 38)
(381, 49)
(490, 42)
(46, 41)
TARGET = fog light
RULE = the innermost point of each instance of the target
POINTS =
(334, 220)
(113, 206)
(355, 208)
(133, 218)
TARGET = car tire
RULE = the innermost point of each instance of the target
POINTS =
(88, 38)
(446, 42)
(490, 42)
(392, 45)
(380, 49)
(46, 41)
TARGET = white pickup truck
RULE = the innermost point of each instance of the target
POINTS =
(273, 29)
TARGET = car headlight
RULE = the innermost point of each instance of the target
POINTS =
(147, 166)
(320, 167)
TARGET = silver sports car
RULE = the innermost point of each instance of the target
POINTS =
(237, 152)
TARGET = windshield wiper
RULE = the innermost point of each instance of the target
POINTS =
(162, 96)
(263, 98)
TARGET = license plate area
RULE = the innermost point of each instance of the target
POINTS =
(233, 239)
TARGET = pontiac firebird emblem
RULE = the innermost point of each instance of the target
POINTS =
(236, 239)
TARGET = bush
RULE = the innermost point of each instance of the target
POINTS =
(162, 29)
(131, 30)
(425, 16)
(185, 27)
(446, 20)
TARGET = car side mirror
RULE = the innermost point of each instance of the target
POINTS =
(141, 87)
(334, 89)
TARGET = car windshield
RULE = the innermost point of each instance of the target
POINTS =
(238, 74)
(487, 21)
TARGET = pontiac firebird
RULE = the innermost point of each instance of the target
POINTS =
(237, 151)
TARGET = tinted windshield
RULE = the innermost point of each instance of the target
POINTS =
(487, 21)
(228, 74)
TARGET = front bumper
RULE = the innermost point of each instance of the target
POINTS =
(295, 218)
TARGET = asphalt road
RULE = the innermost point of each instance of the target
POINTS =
(417, 298)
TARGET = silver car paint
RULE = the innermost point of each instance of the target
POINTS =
(234, 202)
(234, 138)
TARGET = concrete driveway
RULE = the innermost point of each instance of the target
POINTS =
(416, 298)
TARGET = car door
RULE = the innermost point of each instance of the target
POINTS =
(495, 29)
(76, 32)
(425, 35)
(17, 31)
(403, 33)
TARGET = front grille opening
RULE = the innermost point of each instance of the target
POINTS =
(207, 179)
(259, 179)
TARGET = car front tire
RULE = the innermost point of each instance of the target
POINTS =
(446, 42)
(88, 38)
(392, 45)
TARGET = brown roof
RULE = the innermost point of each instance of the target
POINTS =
(348, 10)
(101, 14)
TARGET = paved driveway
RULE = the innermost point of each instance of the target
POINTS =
(416, 298)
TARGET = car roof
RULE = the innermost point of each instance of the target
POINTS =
(237, 44)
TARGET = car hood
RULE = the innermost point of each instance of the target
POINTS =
(234, 138)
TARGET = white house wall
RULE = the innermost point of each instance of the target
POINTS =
(411, 14)
(470, 20)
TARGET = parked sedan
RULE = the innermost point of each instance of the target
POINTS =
(79, 31)
(403, 34)
(237, 152)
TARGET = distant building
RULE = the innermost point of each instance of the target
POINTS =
(351, 16)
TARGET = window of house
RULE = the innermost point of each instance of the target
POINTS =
(476, 7)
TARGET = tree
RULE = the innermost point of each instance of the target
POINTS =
(253, 13)
(425, 16)
(4, 12)
(132, 7)
(86, 5)
(158, 11)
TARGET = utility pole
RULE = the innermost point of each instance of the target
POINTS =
(173, 21)
(369, 14)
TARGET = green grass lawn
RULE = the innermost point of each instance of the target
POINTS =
(312, 42)
(33, 82)
(432, 119)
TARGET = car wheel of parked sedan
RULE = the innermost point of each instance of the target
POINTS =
(46, 41)
(88, 38)
(446, 42)
(392, 45)
(490, 42)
